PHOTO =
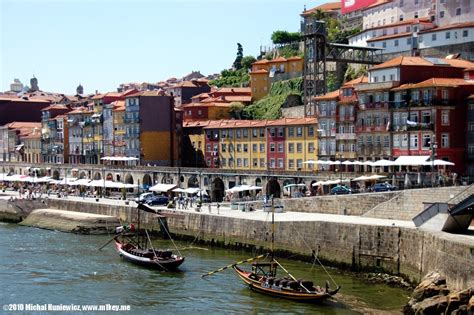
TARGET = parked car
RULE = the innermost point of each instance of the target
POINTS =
(143, 198)
(341, 190)
(383, 187)
(157, 201)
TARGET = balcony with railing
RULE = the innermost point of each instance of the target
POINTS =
(346, 136)
(374, 105)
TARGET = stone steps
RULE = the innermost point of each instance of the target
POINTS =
(408, 203)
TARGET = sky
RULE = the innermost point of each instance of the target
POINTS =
(101, 44)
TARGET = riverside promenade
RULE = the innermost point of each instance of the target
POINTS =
(354, 241)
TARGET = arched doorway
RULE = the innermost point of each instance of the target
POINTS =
(97, 176)
(193, 181)
(118, 178)
(147, 183)
(82, 175)
(56, 175)
(128, 179)
(273, 188)
(109, 177)
(217, 190)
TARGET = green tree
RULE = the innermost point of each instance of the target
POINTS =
(285, 37)
(238, 60)
(236, 109)
(247, 62)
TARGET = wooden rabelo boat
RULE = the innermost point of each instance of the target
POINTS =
(263, 278)
(140, 251)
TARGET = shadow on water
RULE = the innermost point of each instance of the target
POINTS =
(51, 267)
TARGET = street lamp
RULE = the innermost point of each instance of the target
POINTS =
(433, 147)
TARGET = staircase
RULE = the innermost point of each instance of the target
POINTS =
(409, 203)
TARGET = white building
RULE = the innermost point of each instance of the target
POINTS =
(395, 25)
(16, 86)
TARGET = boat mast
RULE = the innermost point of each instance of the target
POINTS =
(138, 228)
(273, 230)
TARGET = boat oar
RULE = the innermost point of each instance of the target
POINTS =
(232, 265)
(109, 241)
(291, 276)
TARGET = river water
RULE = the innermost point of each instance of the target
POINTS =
(40, 266)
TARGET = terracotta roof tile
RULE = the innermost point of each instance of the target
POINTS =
(330, 6)
(361, 79)
(375, 39)
(447, 27)
(328, 96)
(259, 71)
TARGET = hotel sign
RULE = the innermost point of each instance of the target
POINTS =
(354, 5)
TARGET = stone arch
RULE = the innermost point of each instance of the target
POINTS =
(56, 174)
(97, 176)
(109, 177)
(128, 178)
(217, 190)
(258, 182)
(147, 182)
(273, 188)
(193, 181)
(167, 179)
(117, 177)
(82, 175)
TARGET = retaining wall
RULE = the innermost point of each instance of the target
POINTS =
(406, 251)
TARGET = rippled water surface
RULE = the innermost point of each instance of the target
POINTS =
(40, 266)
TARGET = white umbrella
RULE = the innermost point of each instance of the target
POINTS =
(347, 162)
(376, 177)
(382, 162)
(439, 163)
(179, 190)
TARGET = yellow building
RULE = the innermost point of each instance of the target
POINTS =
(283, 144)
(118, 114)
(265, 72)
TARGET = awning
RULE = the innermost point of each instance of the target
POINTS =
(240, 188)
(79, 182)
(119, 158)
(439, 163)
(383, 162)
(411, 160)
(294, 185)
(162, 187)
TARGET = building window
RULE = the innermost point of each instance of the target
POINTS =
(291, 147)
(291, 132)
(281, 131)
(310, 131)
(299, 163)
(246, 162)
(299, 131)
(409, 41)
(415, 16)
(386, 141)
(458, 11)
(262, 147)
(448, 35)
(396, 43)
(272, 163)
(433, 37)
(208, 162)
(401, 17)
(255, 162)
(384, 44)
(245, 133)
(310, 147)
(224, 162)
(237, 133)
(291, 164)
(441, 14)
(414, 116)
(262, 162)
(280, 163)
(239, 162)
(280, 147)
(392, 77)
(272, 132)
(445, 140)
(426, 141)
(254, 133)
(465, 33)
(272, 147)
(254, 147)
(445, 94)
(414, 142)
(420, 39)
(426, 117)
(445, 118)
(299, 147)
(239, 147)
(208, 148)
(246, 148)
(223, 147)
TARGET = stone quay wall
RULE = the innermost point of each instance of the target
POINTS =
(406, 251)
